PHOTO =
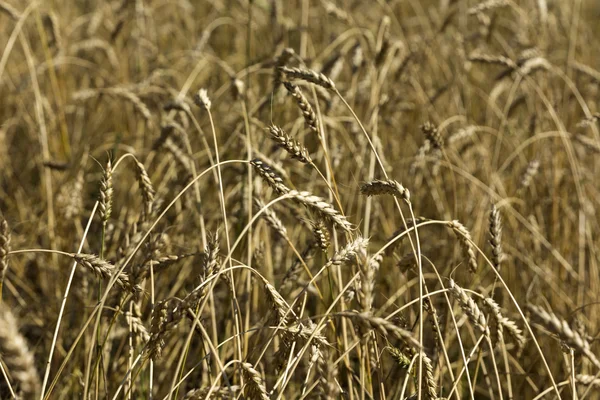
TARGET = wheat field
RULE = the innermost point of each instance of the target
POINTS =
(304, 199)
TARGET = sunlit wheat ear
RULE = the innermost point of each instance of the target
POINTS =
(491, 59)
(321, 207)
(469, 306)
(487, 6)
(106, 193)
(429, 383)
(321, 234)
(137, 327)
(588, 380)
(166, 315)
(568, 335)
(271, 218)
(281, 60)
(269, 176)
(381, 325)
(219, 392)
(589, 121)
(433, 135)
(308, 75)
(530, 172)
(16, 356)
(201, 99)
(293, 147)
(383, 187)
(503, 323)
(255, 386)
(146, 187)
(496, 237)
(104, 269)
(4, 249)
(466, 242)
(304, 105)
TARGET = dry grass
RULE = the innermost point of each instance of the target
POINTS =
(299, 199)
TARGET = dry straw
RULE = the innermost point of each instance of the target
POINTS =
(17, 357)
(293, 147)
